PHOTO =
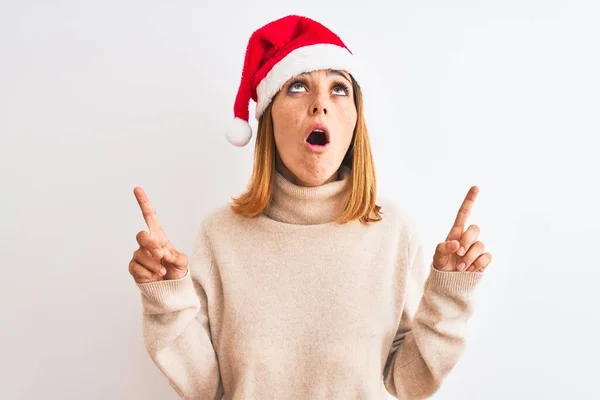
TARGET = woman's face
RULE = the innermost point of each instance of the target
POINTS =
(313, 119)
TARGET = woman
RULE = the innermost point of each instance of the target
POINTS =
(307, 286)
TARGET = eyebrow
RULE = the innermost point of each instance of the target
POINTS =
(330, 72)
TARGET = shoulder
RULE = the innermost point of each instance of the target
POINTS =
(399, 216)
(409, 236)
(220, 216)
(222, 222)
(215, 225)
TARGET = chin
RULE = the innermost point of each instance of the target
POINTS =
(315, 175)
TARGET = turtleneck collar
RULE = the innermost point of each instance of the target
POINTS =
(304, 205)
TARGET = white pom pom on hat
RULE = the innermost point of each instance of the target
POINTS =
(239, 132)
(275, 53)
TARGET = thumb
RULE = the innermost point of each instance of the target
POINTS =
(179, 260)
(443, 251)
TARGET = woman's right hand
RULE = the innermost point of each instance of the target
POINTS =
(156, 259)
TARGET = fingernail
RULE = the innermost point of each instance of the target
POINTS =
(461, 251)
(461, 266)
(157, 254)
(163, 271)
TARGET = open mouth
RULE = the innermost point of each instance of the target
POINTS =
(317, 137)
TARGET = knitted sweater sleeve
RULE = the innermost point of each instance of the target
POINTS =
(176, 328)
(430, 338)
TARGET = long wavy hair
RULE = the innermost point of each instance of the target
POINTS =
(360, 205)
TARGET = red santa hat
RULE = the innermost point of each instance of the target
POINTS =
(275, 53)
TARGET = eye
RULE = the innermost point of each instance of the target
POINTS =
(341, 89)
(296, 87)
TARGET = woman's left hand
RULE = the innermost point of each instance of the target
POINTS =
(461, 251)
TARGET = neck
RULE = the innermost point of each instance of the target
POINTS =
(309, 205)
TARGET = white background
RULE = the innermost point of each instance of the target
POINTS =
(99, 97)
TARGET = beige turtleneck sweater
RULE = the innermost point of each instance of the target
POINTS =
(290, 305)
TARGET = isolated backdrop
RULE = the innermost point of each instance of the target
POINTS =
(98, 97)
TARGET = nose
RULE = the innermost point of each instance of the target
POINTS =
(319, 105)
(317, 110)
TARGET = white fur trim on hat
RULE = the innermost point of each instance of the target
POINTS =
(302, 59)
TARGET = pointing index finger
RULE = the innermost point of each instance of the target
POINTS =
(148, 211)
(463, 213)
